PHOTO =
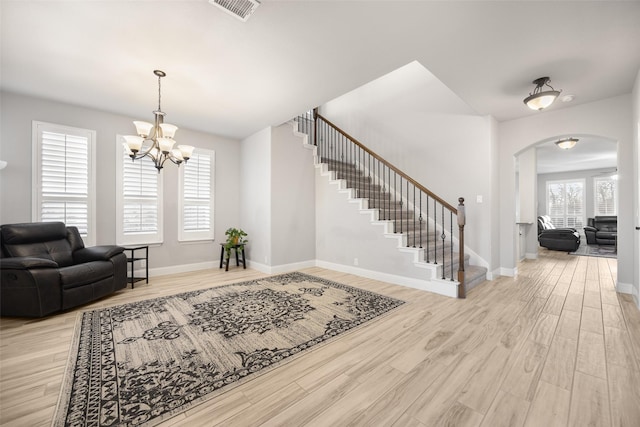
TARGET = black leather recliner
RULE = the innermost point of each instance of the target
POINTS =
(557, 239)
(45, 268)
(602, 230)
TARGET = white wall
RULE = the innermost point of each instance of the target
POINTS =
(636, 193)
(255, 197)
(18, 111)
(292, 192)
(347, 241)
(526, 203)
(610, 118)
(278, 199)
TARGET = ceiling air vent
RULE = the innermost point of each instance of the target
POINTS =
(241, 9)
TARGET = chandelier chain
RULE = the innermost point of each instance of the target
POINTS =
(159, 93)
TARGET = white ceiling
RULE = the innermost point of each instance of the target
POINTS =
(589, 153)
(233, 78)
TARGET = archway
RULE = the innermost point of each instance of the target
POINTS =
(543, 167)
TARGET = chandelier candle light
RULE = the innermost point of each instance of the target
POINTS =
(156, 140)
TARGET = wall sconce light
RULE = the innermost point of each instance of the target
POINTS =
(567, 143)
(539, 99)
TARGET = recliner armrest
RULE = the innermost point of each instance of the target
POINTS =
(26, 263)
(96, 253)
(557, 231)
(589, 228)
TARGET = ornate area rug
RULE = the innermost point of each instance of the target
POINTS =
(143, 362)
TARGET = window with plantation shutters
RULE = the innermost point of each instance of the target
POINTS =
(606, 195)
(566, 204)
(139, 202)
(64, 179)
(196, 197)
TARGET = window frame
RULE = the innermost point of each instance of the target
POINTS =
(564, 182)
(197, 236)
(140, 238)
(596, 211)
(38, 128)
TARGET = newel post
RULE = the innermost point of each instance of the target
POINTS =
(461, 222)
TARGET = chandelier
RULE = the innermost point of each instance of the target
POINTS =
(540, 99)
(156, 139)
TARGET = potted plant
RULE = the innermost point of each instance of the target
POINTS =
(235, 237)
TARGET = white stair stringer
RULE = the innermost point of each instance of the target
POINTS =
(395, 262)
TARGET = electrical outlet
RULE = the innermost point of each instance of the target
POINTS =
(143, 263)
(355, 261)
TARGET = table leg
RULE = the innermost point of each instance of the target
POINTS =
(221, 255)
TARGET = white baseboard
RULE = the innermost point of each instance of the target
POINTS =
(624, 288)
(509, 272)
(628, 288)
(445, 288)
(492, 275)
(174, 269)
(277, 269)
(530, 255)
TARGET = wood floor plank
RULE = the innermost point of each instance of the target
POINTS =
(624, 396)
(507, 410)
(632, 320)
(522, 379)
(458, 415)
(573, 302)
(591, 320)
(589, 402)
(544, 329)
(560, 362)
(591, 355)
(356, 402)
(267, 408)
(554, 305)
(393, 404)
(550, 406)
(619, 350)
(483, 385)
(612, 316)
(592, 298)
(569, 324)
(314, 403)
(440, 395)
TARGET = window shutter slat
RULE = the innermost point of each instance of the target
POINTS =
(140, 193)
(64, 178)
(197, 197)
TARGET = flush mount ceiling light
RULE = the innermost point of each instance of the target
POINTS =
(156, 139)
(540, 99)
(567, 143)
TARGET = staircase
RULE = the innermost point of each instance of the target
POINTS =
(420, 221)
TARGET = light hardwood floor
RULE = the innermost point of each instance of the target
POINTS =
(555, 346)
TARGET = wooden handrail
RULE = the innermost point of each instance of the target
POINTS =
(392, 167)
